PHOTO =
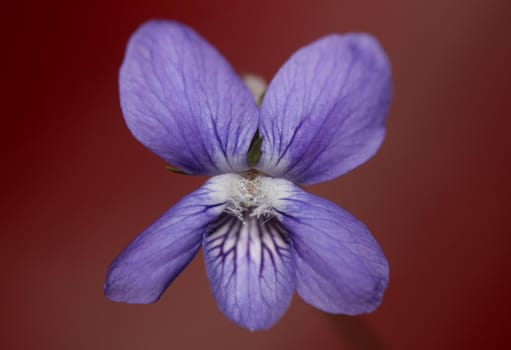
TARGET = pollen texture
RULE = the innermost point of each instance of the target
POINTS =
(251, 195)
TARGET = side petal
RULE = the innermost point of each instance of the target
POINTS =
(339, 266)
(184, 102)
(324, 112)
(142, 272)
(250, 266)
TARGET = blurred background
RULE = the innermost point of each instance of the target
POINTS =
(77, 187)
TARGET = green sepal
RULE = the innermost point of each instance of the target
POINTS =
(260, 99)
(254, 150)
(175, 170)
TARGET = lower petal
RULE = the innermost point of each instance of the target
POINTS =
(142, 272)
(250, 265)
(340, 268)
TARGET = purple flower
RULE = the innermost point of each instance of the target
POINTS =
(263, 237)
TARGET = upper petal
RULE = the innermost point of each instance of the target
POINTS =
(339, 266)
(183, 101)
(142, 272)
(250, 265)
(324, 112)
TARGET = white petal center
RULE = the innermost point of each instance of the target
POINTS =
(250, 194)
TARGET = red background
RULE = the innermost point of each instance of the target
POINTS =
(77, 187)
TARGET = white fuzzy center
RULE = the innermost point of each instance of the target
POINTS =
(250, 194)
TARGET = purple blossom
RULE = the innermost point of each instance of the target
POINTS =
(263, 237)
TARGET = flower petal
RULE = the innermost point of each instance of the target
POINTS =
(183, 101)
(142, 272)
(324, 112)
(250, 266)
(339, 266)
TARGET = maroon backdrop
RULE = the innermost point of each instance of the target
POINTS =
(77, 187)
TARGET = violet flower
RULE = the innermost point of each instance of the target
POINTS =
(263, 237)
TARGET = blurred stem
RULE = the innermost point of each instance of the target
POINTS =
(356, 333)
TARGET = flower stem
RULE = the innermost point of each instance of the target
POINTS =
(355, 332)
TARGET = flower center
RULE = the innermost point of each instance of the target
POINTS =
(251, 196)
